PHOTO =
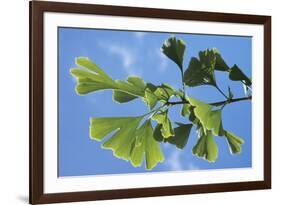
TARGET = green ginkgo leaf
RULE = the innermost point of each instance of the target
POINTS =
(150, 99)
(128, 142)
(186, 109)
(210, 119)
(121, 141)
(214, 123)
(164, 92)
(162, 118)
(201, 71)
(129, 90)
(234, 142)
(145, 145)
(123, 97)
(161, 93)
(220, 63)
(206, 146)
(181, 135)
(236, 74)
(174, 49)
(91, 78)
(201, 110)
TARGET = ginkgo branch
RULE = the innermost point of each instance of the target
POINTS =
(214, 103)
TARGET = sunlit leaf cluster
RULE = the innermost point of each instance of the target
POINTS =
(136, 138)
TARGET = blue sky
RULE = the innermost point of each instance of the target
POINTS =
(123, 53)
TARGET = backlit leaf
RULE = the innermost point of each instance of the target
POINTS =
(91, 78)
(181, 135)
(210, 119)
(145, 145)
(163, 119)
(162, 93)
(201, 71)
(236, 74)
(123, 137)
(122, 97)
(234, 142)
(128, 142)
(220, 63)
(214, 123)
(174, 49)
(206, 146)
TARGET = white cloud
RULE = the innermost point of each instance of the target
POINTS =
(174, 161)
(139, 35)
(163, 61)
(127, 56)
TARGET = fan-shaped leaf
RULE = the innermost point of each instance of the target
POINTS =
(128, 142)
(181, 135)
(234, 142)
(174, 49)
(92, 78)
(201, 72)
(210, 119)
(220, 63)
(129, 90)
(206, 146)
(236, 74)
(162, 93)
(162, 118)
(146, 145)
(123, 97)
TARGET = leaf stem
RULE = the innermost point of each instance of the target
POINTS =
(183, 86)
(221, 91)
(155, 110)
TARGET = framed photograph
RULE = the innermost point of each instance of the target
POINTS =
(139, 102)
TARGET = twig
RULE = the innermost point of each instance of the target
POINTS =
(214, 103)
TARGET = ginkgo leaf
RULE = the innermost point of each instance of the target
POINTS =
(181, 135)
(220, 63)
(149, 97)
(210, 119)
(121, 141)
(91, 78)
(201, 110)
(145, 145)
(123, 97)
(133, 85)
(161, 93)
(236, 74)
(234, 142)
(101, 127)
(214, 123)
(174, 49)
(201, 71)
(86, 63)
(206, 146)
(164, 92)
(90, 82)
(186, 109)
(128, 142)
(163, 119)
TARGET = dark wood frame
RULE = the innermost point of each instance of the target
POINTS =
(37, 9)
